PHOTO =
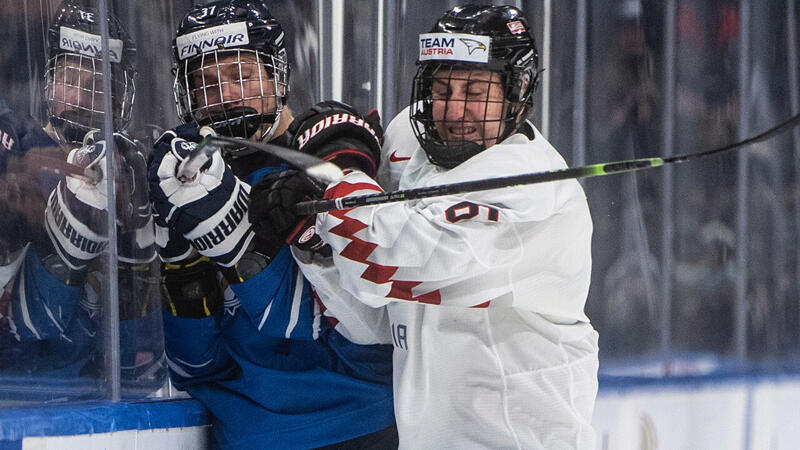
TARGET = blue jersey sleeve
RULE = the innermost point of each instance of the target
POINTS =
(48, 327)
(195, 350)
(42, 307)
(279, 301)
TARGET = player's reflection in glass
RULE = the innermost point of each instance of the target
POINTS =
(54, 227)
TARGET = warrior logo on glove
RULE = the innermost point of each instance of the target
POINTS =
(210, 210)
(333, 130)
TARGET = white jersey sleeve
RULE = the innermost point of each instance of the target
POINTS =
(526, 247)
(396, 151)
(359, 323)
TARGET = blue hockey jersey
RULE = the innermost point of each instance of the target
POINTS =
(273, 372)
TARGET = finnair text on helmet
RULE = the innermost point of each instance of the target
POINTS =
(214, 38)
(86, 48)
(215, 43)
(88, 44)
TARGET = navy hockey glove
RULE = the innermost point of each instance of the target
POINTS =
(210, 210)
(133, 201)
(336, 132)
(273, 215)
(75, 217)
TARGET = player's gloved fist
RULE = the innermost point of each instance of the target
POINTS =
(209, 210)
(75, 217)
(272, 210)
(336, 132)
(133, 204)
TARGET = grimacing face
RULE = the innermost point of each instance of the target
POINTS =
(468, 105)
(231, 80)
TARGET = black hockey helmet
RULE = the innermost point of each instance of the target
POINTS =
(73, 72)
(467, 39)
(210, 40)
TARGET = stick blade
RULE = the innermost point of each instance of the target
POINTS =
(326, 172)
(315, 167)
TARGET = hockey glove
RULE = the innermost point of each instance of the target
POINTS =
(75, 217)
(210, 210)
(133, 201)
(336, 132)
(272, 210)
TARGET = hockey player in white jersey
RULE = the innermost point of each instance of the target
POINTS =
(486, 290)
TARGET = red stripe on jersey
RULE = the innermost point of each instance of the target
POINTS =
(359, 250)
(483, 305)
(333, 321)
(345, 188)
(402, 290)
(379, 274)
(347, 228)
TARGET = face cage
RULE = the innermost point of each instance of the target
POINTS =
(74, 94)
(239, 107)
(442, 130)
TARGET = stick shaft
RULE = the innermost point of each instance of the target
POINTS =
(592, 170)
(317, 168)
(37, 161)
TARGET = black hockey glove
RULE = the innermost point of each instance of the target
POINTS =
(272, 213)
(190, 288)
(336, 132)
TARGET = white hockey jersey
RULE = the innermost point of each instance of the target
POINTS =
(485, 294)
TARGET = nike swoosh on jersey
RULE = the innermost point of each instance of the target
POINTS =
(394, 158)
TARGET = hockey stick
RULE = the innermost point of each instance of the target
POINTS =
(592, 170)
(314, 167)
(25, 163)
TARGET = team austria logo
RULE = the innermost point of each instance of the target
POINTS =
(454, 47)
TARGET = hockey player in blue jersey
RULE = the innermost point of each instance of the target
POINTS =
(36, 281)
(56, 226)
(244, 332)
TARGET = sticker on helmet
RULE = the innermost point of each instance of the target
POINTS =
(454, 47)
(214, 38)
(88, 44)
(516, 27)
